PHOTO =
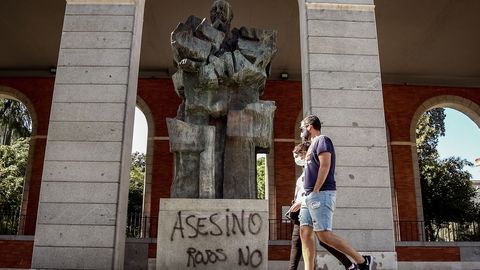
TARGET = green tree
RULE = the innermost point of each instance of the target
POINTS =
(13, 165)
(15, 122)
(137, 178)
(430, 127)
(447, 192)
(261, 178)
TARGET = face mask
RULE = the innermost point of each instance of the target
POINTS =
(300, 161)
(304, 134)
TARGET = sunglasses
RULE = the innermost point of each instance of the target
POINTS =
(305, 127)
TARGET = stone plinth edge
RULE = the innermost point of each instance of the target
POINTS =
(212, 234)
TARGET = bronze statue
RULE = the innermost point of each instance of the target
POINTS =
(221, 121)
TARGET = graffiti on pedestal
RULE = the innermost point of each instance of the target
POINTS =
(229, 230)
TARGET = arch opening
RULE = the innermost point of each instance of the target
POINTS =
(446, 207)
(17, 147)
(138, 214)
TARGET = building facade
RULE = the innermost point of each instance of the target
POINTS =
(368, 86)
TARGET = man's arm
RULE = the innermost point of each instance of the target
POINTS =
(325, 159)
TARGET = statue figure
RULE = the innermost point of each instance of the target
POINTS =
(221, 121)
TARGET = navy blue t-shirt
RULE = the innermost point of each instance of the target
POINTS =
(320, 144)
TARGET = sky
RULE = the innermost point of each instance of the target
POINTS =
(140, 132)
(462, 138)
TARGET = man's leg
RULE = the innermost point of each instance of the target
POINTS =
(308, 238)
(321, 206)
(339, 244)
(308, 246)
(342, 258)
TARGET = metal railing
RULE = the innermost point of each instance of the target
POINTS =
(138, 226)
(446, 232)
(11, 222)
(280, 229)
(409, 230)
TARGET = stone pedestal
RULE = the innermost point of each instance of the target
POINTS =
(83, 201)
(212, 234)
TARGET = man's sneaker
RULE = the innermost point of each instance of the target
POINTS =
(367, 265)
(355, 267)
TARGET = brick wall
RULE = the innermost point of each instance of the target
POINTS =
(15, 254)
(428, 254)
(404, 180)
(35, 184)
(279, 253)
(288, 99)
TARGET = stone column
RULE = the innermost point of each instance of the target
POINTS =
(83, 200)
(342, 85)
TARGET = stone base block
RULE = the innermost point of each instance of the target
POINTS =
(136, 254)
(439, 265)
(381, 261)
(212, 234)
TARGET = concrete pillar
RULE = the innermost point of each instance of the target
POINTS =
(342, 85)
(83, 199)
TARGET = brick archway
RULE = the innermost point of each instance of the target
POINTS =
(147, 190)
(36, 94)
(463, 105)
(11, 93)
(404, 104)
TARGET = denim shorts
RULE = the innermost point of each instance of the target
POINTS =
(317, 210)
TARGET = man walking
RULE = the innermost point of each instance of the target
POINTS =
(316, 214)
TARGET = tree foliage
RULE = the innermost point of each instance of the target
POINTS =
(450, 192)
(261, 178)
(137, 179)
(430, 128)
(447, 192)
(15, 122)
(13, 166)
